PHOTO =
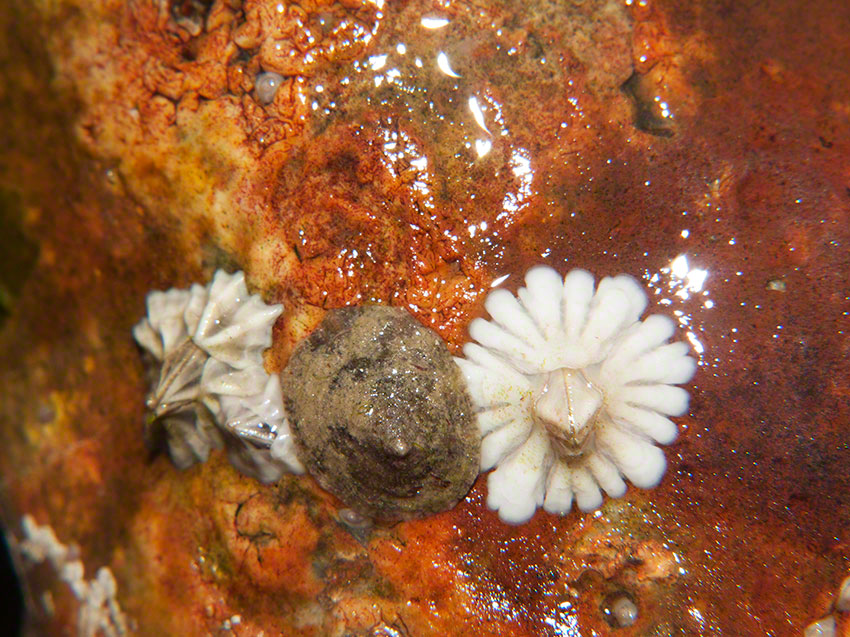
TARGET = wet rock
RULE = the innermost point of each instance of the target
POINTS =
(380, 414)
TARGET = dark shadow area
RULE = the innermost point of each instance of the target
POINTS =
(11, 598)
(19, 252)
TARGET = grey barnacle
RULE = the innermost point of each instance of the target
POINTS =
(380, 414)
(211, 388)
(176, 412)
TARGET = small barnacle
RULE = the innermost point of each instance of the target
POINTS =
(380, 414)
(267, 85)
(358, 525)
(353, 520)
(572, 390)
(191, 14)
(210, 388)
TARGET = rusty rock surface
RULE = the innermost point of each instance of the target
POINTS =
(703, 147)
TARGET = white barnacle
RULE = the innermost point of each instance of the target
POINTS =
(573, 391)
(211, 387)
(99, 612)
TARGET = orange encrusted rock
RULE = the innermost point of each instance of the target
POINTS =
(413, 155)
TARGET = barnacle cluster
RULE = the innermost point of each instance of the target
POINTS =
(209, 387)
(573, 391)
(566, 394)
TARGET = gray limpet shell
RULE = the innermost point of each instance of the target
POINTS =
(380, 414)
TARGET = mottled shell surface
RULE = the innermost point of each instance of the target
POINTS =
(380, 414)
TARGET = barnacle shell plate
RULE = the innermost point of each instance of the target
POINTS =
(212, 389)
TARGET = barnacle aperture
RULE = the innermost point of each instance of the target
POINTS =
(380, 414)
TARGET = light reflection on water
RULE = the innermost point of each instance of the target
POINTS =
(444, 65)
(513, 202)
(412, 74)
(430, 76)
(433, 23)
(680, 284)
(564, 621)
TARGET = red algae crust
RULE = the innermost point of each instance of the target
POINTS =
(413, 154)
